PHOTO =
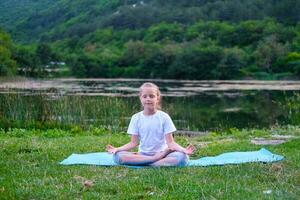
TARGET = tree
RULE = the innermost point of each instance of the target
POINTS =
(296, 40)
(7, 64)
(293, 62)
(233, 60)
(248, 33)
(44, 53)
(164, 31)
(196, 63)
(77, 65)
(103, 36)
(133, 54)
(214, 30)
(86, 65)
(286, 11)
(268, 52)
(158, 61)
(26, 60)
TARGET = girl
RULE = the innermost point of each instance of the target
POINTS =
(153, 129)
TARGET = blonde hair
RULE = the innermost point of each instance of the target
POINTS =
(152, 85)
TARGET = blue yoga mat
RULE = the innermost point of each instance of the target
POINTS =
(106, 159)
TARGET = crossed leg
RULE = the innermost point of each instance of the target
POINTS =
(129, 158)
(164, 158)
(173, 159)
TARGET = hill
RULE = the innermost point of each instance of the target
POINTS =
(29, 20)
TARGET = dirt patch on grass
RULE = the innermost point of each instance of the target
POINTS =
(264, 141)
(274, 140)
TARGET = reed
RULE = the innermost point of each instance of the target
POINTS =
(196, 113)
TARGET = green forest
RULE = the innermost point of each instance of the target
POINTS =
(184, 39)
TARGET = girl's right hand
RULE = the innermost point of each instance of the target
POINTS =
(111, 149)
(189, 149)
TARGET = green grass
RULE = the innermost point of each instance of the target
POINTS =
(29, 168)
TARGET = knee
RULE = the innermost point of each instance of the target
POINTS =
(182, 159)
(119, 158)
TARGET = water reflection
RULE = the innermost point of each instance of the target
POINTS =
(129, 87)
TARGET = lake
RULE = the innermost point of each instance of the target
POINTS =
(193, 105)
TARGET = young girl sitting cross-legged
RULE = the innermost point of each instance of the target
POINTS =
(152, 130)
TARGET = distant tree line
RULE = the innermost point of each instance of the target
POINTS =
(264, 49)
(24, 60)
(204, 50)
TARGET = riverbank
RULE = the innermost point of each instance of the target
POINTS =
(30, 170)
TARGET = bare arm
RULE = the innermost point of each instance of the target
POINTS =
(133, 143)
(176, 147)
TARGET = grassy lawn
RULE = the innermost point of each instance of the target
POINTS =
(29, 168)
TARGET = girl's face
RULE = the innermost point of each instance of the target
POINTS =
(149, 99)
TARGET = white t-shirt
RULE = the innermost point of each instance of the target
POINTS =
(151, 130)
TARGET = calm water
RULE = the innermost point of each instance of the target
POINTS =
(193, 105)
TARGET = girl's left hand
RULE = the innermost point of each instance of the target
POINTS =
(111, 149)
(189, 149)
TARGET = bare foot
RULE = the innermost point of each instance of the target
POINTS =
(162, 154)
